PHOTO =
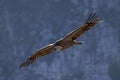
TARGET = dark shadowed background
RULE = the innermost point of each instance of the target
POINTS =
(27, 25)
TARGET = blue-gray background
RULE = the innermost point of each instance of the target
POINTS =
(27, 25)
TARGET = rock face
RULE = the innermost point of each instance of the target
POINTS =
(27, 25)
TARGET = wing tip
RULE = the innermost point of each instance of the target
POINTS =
(23, 65)
(26, 63)
(94, 18)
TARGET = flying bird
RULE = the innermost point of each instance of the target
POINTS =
(65, 42)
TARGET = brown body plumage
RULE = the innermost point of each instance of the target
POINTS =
(66, 42)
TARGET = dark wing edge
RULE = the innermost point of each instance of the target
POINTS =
(93, 18)
(41, 52)
(90, 22)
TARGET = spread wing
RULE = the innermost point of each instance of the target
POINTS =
(37, 54)
(91, 21)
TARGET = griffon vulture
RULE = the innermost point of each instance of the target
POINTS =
(65, 42)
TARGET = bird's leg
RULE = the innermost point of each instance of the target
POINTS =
(76, 42)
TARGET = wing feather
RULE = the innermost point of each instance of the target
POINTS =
(91, 21)
(41, 52)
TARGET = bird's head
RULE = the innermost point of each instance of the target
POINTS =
(57, 48)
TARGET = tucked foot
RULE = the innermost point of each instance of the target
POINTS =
(81, 42)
